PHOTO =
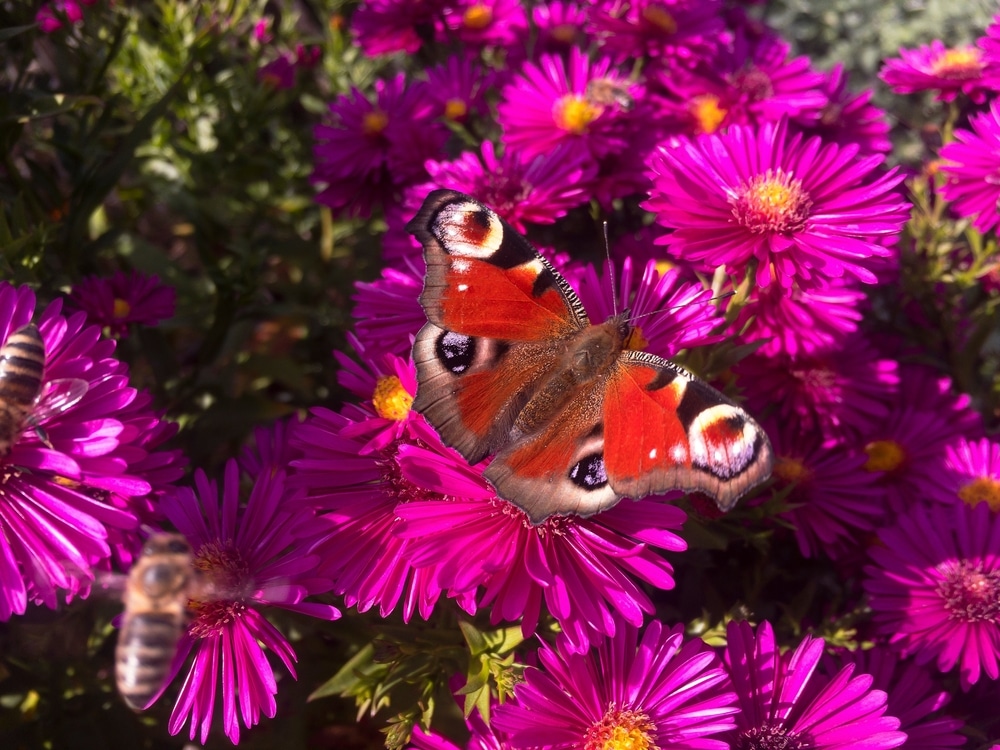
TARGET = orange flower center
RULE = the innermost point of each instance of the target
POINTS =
(391, 401)
(659, 17)
(772, 203)
(981, 490)
(374, 122)
(707, 113)
(564, 32)
(884, 455)
(574, 113)
(791, 470)
(455, 109)
(122, 308)
(962, 64)
(621, 730)
(477, 17)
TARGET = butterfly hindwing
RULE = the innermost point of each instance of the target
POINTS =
(666, 429)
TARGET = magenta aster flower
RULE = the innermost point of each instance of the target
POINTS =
(481, 23)
(387, 311)
(382, 27)
(51, 15)
(537, 190)
(833, 500)
(913, 697)
(802, 211)
(372, 148)
(934, 588)
(628, 691)
(74, 470)
(675, 33)
(971, 163)
(279, 74)
(547, 106)
(254, 555)
(784, 703)
(935, 67)
(990, 45)
(848, 117)
(844, 390)
(559, 26)
(976, 466)
(122, 299)
(459, 87)
(481, 737)
(908, 447)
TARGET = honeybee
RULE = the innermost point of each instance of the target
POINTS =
(605, 92)
(156, 596)
(24, 400)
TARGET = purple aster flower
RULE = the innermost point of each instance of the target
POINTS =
(908, 447)
(370, 149)
(628, 691)
(385, 26)
(971, 163)
(51, 15)
(794, 323)
(934, 588)
(935, 67)
(675, 33)
(976, 466)
(459, 87)
(271, 450)
(387, 311)
(848, 117)
(481, 23)
(800, 210)
(522, 190)
(990, 45)
(254, 555)
(785, 703)
(669, 314)
(74, 470)
(844, 390)
(913, 697)
(560, 26)
(124, 298)
(279, 74)
(833, 500)
(547, 106)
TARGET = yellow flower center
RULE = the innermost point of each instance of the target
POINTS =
(574, 113)
(477, 17)
(564, 32)
(772, 203)
(455, 109)
(663, 265)
(122, 308)
(374, 122)
(658, 16)
(621, 730)
(707, 113)
(391, 400)
(962, 64)
(791, 470)
(982, 490)
(884, 455)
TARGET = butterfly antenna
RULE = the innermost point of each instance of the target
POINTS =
(716, 298)
(611, 271)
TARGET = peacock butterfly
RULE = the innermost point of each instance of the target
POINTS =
(509, 364)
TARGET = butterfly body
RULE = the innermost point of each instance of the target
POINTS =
(509, 365)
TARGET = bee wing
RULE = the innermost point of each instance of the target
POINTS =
(57, 396)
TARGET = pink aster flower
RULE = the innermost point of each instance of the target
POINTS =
(538, 190)
(74, 469)
(459, 87)
(122, 299)
(481, 23)
(990, 45)
(675, 33)
(802, 211)
(51, 15)
(833, 501)
(913, 697)
(627, 691)
(387, 311)
(385, 26)
(481, 737)
(908, 447)
(844, 390)
(559, 26)
(976, 467)
(934, 588)
(848, 117)
(785, 703)
(254, 555)
(971, 163)
(547, 106)
(372, 148)
(935, 67)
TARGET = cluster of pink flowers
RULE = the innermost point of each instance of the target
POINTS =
(736, 160)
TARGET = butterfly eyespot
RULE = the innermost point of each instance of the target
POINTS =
(455, 351)
(589, 472)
